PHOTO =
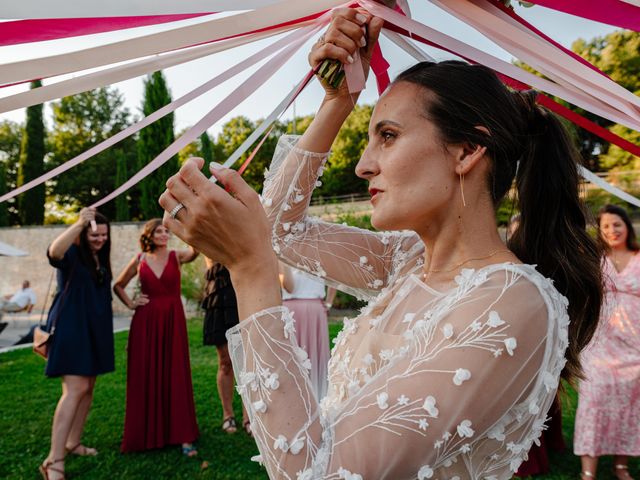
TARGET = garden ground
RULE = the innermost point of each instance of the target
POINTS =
(27, 402)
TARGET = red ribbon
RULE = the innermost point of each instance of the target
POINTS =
(26, 31)
(613, 12)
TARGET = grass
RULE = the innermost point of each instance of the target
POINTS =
(27, 402)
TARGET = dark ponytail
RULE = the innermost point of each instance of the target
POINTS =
(528, 143)
(552, 231)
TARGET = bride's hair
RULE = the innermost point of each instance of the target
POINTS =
(528, 144)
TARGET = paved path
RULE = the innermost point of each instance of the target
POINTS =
(21, 323)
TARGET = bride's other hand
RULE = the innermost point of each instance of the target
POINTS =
(225, 221)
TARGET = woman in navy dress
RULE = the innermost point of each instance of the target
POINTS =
(82, 347)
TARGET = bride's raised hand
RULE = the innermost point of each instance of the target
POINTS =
(350, 29)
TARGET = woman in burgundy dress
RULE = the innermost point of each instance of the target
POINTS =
(160, 409)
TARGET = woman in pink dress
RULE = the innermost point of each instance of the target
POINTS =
(608, 413)
(309, 304)
(160, 409)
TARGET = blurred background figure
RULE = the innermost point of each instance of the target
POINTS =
(23, 300)
(221, 313)
(160, 408)
(608, 416)
(82, 346)
(309, 304)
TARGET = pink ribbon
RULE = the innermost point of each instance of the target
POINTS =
(246, 88)
(219, 79)
(418, 31)
(25, 31)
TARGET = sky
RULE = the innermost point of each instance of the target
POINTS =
(181, 79)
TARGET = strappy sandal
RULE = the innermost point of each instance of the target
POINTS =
(47, 466)
(82, 451)
(587, 474)
(229, 425)
(189, 450)
(622, 468)
(247, 427)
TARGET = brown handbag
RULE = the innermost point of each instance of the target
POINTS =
(41, 338)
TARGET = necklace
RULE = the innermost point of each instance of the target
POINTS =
(457, 265)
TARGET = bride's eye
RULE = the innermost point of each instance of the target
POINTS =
(387, 135)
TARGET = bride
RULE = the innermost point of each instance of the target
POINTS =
(450, 369)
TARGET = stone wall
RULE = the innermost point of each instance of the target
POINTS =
(35, 267)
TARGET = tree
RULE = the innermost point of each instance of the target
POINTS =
(31, 165)
(152, 141)
(79, 123)
(339, 177)
(206, 149)
(617, 55)
(10, 136)
(4, 211)
(123, 213)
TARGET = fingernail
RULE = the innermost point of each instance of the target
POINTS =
(361, 18)
(363, 42)
(215, 166)
(350, 59)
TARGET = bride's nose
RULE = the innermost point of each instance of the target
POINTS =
(367, 166)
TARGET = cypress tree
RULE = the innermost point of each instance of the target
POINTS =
(206, 148)
(153, 140)
(122, 202)
(4, 212)
(31, 165)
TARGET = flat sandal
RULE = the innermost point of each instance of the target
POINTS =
(621, 466)
(46, 466)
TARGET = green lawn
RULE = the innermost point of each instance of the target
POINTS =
(28, 399)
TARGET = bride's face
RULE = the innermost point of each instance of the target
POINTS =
(411, 174)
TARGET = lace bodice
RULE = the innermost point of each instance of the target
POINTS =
(423, 383)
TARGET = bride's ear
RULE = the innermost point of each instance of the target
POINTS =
(469, 155)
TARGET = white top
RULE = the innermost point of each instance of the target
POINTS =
(304, 287)
(452, 384)
(24, 297)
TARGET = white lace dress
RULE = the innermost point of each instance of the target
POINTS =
(423, 384)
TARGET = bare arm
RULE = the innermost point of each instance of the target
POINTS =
(61, 244)
(331, 295)
(286, 277)
(129, 272)
(188, 255)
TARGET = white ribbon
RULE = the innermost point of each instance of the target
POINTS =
(120, 8)
(151, 44)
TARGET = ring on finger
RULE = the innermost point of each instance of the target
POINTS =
(174, 211)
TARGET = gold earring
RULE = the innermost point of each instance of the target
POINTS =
(464, 203)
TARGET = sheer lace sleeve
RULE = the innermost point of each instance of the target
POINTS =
(354, 260)
(464, 395)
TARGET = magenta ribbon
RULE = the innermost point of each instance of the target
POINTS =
(26, 31)
(612, 12)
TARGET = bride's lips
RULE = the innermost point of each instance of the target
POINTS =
(374, 192)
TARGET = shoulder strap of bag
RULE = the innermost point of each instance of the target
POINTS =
(62, 298)
(46, 298)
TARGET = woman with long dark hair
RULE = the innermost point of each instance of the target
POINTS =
(160, 408)
(608, 415)
(451, 368)
(82, 346)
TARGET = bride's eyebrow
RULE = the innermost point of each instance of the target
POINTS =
(385, 123)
